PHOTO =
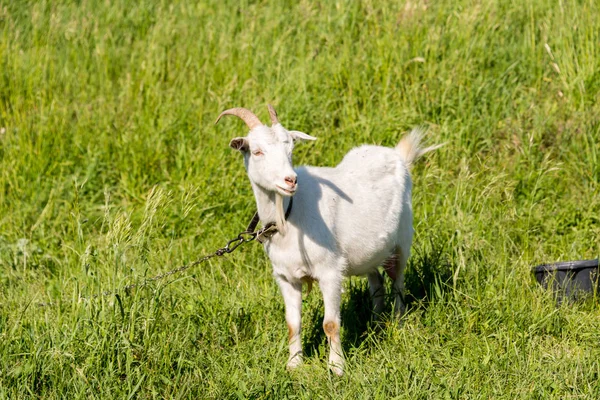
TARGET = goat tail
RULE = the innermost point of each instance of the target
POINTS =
(410, 148)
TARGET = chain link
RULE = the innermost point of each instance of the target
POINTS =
(246, 236)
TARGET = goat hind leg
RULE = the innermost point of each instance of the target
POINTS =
(401, 259)
(377, 292)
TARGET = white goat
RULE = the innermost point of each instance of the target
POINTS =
(346, 220)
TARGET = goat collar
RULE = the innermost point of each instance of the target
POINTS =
(270, 228)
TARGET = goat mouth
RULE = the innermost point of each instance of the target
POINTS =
(287, 192)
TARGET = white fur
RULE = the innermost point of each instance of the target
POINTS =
(345, 221)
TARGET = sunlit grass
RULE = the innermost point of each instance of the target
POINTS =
(111, 170)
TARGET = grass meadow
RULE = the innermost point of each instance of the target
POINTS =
(111, 170)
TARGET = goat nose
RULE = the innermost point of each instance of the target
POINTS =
(291, 181)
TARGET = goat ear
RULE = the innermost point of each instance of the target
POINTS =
(297, 135)
(239, 143)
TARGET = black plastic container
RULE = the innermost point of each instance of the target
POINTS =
(570, 280)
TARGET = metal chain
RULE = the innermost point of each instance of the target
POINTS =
(243, 237)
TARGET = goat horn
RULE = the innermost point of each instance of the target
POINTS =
(273, 115)
(244, 114)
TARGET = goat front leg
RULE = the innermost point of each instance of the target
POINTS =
(292, 297)
(332, 294)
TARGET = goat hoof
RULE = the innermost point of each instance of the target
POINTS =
(337, 369)
(294, 362)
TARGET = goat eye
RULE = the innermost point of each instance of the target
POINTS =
(257, 152)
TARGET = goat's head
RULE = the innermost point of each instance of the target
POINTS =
(267, 151)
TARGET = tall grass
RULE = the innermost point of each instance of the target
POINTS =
(111, 170)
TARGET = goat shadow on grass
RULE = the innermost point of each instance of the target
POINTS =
(427, 269)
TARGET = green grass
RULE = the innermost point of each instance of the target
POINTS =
(111, 169)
